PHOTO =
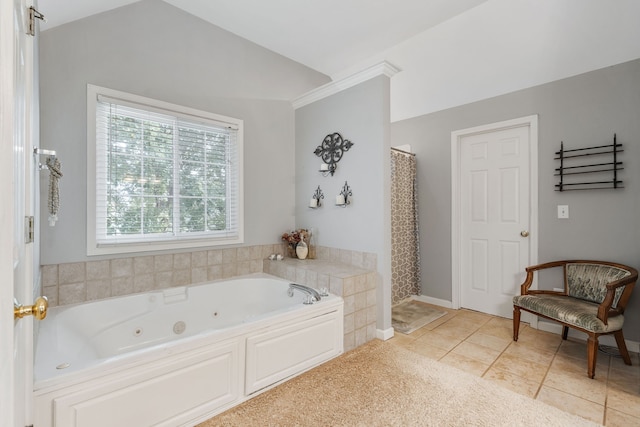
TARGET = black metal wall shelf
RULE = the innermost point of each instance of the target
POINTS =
(577, 162)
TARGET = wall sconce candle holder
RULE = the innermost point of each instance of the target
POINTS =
(331, 150)
(315, 199)
(342, 199)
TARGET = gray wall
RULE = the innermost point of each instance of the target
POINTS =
(153, 49)
(582, 111)
(361, 115)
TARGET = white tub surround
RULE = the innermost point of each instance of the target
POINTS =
(178, 356)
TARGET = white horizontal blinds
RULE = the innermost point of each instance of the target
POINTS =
(208, 181)
(162, 177)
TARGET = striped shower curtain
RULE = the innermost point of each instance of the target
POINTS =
(405, 247)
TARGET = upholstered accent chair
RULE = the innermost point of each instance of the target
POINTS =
(593, 301)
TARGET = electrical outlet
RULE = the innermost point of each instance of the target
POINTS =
(563, 211)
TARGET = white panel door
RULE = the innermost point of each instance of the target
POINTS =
(18, 188)
(494, 215)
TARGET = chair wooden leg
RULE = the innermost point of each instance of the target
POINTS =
(565, 332)
(622, 347)
(516, 322)
(592, 353)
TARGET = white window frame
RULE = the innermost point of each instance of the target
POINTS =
(96, 248)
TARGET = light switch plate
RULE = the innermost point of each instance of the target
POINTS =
(563, 211)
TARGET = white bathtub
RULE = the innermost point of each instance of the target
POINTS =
(178, 356)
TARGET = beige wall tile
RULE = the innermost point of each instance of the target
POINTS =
(50, 275)
(360, 319)
(229, 255)
(121, 286)
(371, 298)
(349, 304)
(349, 286)
(98, 289)
(181, 277)
(349, 341)
(163, 279)
(182, 261)
(199, 275)
(214, 272)
(72, 293)
(336, 285)
(361, 336)
(143, 265)
(51, 292)
(349, 323)
(199, 259)
(229, 270)
(71, 273)
(214, 257)
(98, 270)
(122, 267)
(162, 263)
(360, 301)
(243, 253)
(143, 282)
(243, 268)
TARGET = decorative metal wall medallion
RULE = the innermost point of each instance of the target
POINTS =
(331, 150)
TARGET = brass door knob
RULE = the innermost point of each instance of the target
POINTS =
(524, 233)
(38, 310)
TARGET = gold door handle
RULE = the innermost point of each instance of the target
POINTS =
(38, 310)
(524, 233)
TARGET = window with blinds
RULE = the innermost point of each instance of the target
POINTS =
(164, 173)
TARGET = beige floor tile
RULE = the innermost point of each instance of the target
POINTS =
(438, 340)
(464, 363)
(527, 352)
(454, 330)
(539, 339)
(522, 368)
(572, 404)
(477, 352)
(622, 401)
(576, 349)
(578, 364)
(498, 327)
(476, 316)
(619, 419)
(512, 382)
(578, 384)
(624, 381)
(401, 339)
(439, 321)
(424, 348)
(489, 341)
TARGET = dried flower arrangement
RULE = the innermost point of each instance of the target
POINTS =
(293, 237)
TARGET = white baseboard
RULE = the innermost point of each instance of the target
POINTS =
(434, 301)
(609, 340)
(384, 334)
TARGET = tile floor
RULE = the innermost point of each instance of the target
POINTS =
(540, 365)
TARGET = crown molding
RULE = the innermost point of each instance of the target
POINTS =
(382, 68)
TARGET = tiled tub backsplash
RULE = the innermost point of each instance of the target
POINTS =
(77, 282)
